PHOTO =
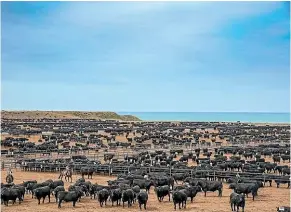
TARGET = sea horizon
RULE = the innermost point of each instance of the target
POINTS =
(250, 117)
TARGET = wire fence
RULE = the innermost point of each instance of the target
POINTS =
(116, 169)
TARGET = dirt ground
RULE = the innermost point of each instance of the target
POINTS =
(269, 198)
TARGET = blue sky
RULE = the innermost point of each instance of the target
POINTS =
(146, 56)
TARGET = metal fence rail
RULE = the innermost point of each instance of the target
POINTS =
(115, 169)
(96, 154)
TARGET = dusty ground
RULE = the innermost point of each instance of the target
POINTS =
(269, 198)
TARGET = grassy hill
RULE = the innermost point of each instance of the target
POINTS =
(65, 115)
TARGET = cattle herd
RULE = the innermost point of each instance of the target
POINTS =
(174, 161)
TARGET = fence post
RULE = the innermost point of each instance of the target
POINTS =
(214, 175)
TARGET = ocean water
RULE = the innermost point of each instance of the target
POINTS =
(212, 116)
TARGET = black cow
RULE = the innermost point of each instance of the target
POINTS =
(119, 181)
(86, 184)
(194, 181)
(280, 168)
(276, 159)
(136, 190)
(211, 186)
(25, 184)
(142, 199)
(42, 192)
(56, 183)
(127, 196)
(124, 186)
(236, 201)
(162, 191)
(178, 198)
(8, 185)
(282, 181)
(180, 187)
(87, 171)
(21, 189)
(143, 184)
(270, 167)
(191, 191)
(161, 181)
(246, 188)
(69, 196)
(286, 171)
(233, 180)
(116, 196)
(10, 194)
(260, 184)
(33, 186)
(285, 157)
(57, 190)
(108, 156)
(80, 180)
(103, 196)
(93, 190)
(184, 158)
(232, 185)
(82, 189)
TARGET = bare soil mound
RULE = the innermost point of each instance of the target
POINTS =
(65, 115)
